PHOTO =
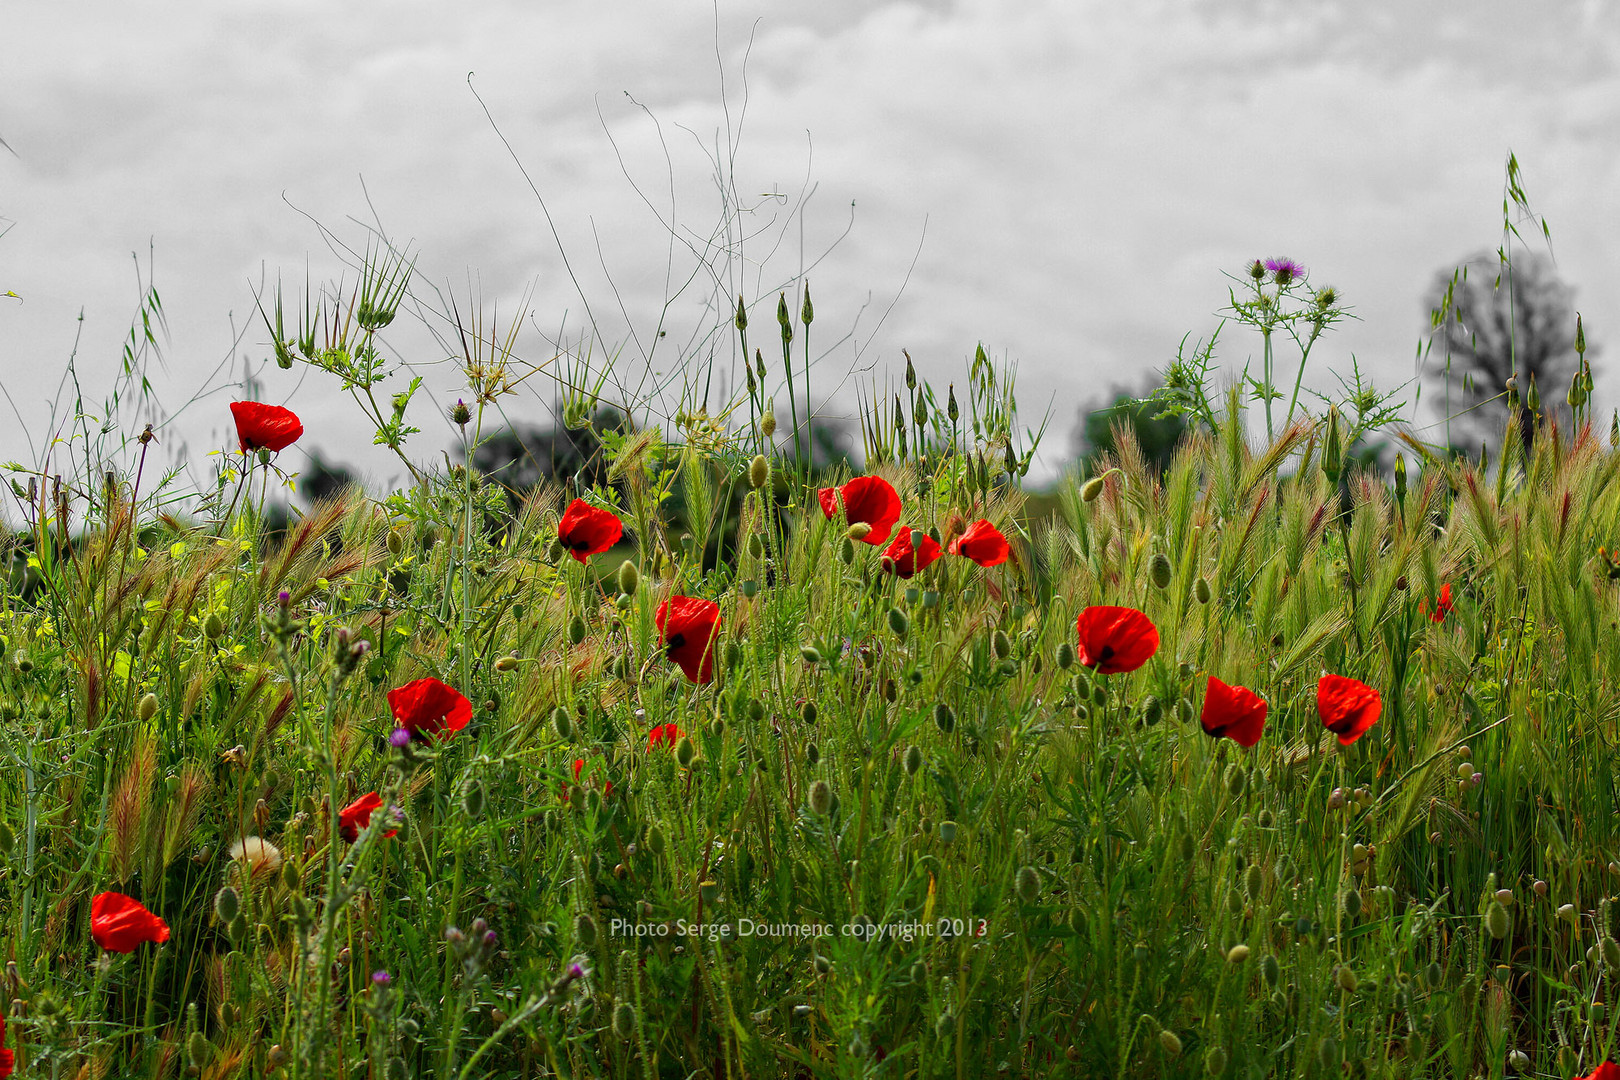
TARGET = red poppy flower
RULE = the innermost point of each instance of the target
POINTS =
(983, 543)
(907, 561)
(579, 767)
(1235, 712)
(1116, 639)
(7, 1058)
(357, 815)
(586, 530)
(264, 427)
(120, 923)
(664, 735)
(1606, 1071)
(688, 628)
(1442, 605)
(869, 500)
(1348, 708)
(427, 708)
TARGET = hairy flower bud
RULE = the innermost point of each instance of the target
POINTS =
(913, 760)
(944, 718)
(1159, 570)
(759, 471)
(1092, 489)
(147, 708)
(1201, 589)
(820, 798)
(227, 904)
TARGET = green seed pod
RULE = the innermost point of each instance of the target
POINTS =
(759, 471)
(1237, 954)
(585, 930)
(562, 723)
(472, 800)
(899, 623)
(576, 630)
(624, 1020)
(1027, 883)
(750, 588)
(227, 905)
(914, 759)
(944, 718)
(811, 654)
(629, 578)
(1001, 644)
(1152, 710)
(1169, 1042)
(685, 752)
(1065, 655)
(1159, 570)
(214, 626)
(1201, 589)
(820, 798)
(147, 708)
(1092, 489)
(1270, 970)
(1236, 779)
(1215, 1061)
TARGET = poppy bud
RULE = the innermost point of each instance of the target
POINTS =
(227, 904)
(808, 712)
(1236, 780)
(1567, 913)
(199, 1051)
(820, 798)
(1159, 570)
(1065, 655)
(1504, 897)
(238, 928)
(914, 759)
(812, 753)
(213, 626)
(1001, 644)
(756, 546)
(1498, 921)
(1169, 1042)
(8, 839)
(1201, 589)
(1152, 710)
(1352, 903)
(1215, 1061)
(576, 630)
(685, 752)
(1237, 954)
(1092, 489)
(1027, 883)
(147, 708)
(585, 930)
(767, 423)
(1188, 847)
(1270, 970)
(1347, 979)
(810, 654)
(1254, 880)
(624, 1020)
(629, 578)
(395, 542)
(472, 800)
(899, 623)
(944, 718)
(506, 663)
(396, 1069)
(759, 472)
(562, 723)
(1327, 1054)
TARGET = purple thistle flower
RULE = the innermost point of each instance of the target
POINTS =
(490, 939)
(575, 971)
(1284, 270)
(399, 738)
(380, 978)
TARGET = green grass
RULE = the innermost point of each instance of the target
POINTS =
(1092, 886)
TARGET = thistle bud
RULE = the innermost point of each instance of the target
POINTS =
(820, 798)
(629, 578)
(147, 708)
(759, 470)
(1027, 883)
(1159, 570)
(460, 415)
(914, 759)
(1092, 489)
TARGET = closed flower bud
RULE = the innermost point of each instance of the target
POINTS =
(1169, 1042)
(1327, 1054)
(767, 425)
(395, 542)
(820, 798)
(1065, 655)
(899, 623)
(1567, 913)
(576, 630)
(1002, 644)
(947, 832)
(472, 800)
(8, 839)
(914, 760)
(810, 654)
(585, 930)
(756, 546)
(1270, 970)
(944, 718)
(1201, 589)
(1152, 710)
(199, 1051)
(148, 707)
(759, 472)
(1237, 954)
(1092, 489)
(1433, 974)
(629, 578)
(1027, 882)
(808, 712)
(1347, 979)
(624, 1020)
(228, 904)
(1215, 1061)
(1498, 921)
(505, 664)
(1254, 880)
(1352, 903)
(1236, 780)
(213, 626)
(562, 723)
(685, 752)
(812, 753)
(1159, 570)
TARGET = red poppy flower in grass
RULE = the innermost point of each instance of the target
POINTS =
(428, 708)
(120, 923)
(664, 735)
(983, 543)
(1115, 640)
(1235, 712)
(1442, 607)
(1348, 708)
(868, 500)
(901, 559)
(579, 767)
(1606, 1071)
(357, 815)
(264, 427)
(7, 1058)
(586, 530)
(689, 629)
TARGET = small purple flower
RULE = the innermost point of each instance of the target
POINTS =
(399, 738)
(380, 978)
(454, 935)
(284, 598)
(490, 939)
(1479, 777)
(396, 812)
(575, 971)
(1284, 270)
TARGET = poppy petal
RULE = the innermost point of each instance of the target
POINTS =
(904, 560)
(688, 628)
(983, 543)
(868, 500)
(428, 708)
(120, 923)
(586, 530)
(264, 427)
(1233, 712)
(1348, 708)
(1115, 640)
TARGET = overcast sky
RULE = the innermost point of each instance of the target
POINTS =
(1087, 171)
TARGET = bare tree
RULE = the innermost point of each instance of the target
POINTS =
(1492, 321)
